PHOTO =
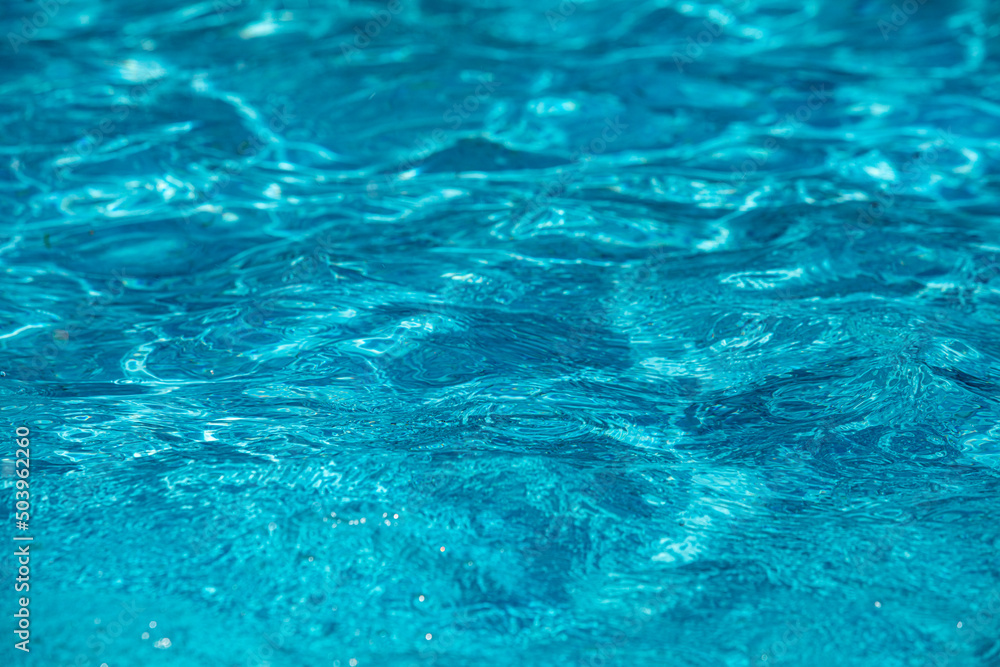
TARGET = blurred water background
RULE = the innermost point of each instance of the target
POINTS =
(508, 333)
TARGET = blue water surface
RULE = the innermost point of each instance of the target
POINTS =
(409, 332)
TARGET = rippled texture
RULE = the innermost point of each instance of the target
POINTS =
(598, 333)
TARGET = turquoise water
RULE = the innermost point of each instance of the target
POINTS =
(508, 333)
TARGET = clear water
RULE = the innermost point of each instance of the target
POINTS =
(343, 352)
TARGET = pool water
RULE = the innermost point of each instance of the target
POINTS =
(508, 333)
